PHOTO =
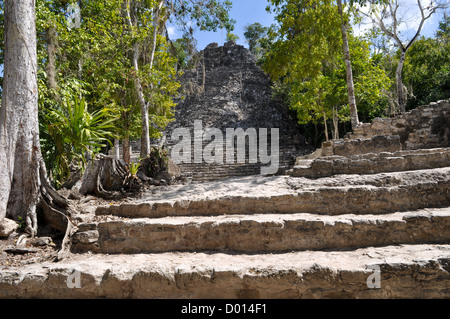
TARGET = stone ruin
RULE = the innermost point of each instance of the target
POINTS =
(415, 140)
(226, 89)
(426, 127)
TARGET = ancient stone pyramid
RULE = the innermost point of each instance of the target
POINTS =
(226, 89)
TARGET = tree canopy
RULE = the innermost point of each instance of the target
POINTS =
(305, 55)
(113, 74)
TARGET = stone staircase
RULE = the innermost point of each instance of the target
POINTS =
(261, 237)
(365, 225)
(203, 172)
(372, 163)
(226, 89)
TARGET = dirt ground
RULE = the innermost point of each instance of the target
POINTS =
(39, 254)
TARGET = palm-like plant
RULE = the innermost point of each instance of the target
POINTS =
(78, 134)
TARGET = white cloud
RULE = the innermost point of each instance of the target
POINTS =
(172, 31)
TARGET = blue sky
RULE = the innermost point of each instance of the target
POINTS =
(249, 11)
(244, 12)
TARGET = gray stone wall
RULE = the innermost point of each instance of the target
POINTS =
(425, 127)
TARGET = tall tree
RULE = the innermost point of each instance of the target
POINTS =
(427, 68)
(131, 8)
(307, 36)
(348, 68)
(254, 33)
(325, 96)
(19, 129)
(389, 16)
(23, 178)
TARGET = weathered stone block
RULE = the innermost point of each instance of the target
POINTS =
(86, 237)
(376, 144)
(7, 227)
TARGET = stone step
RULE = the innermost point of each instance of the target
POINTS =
(372, 163)
(263, 233)
(343, 194)
(200, 170)
(405, 271)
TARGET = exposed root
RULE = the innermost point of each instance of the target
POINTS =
(57, 212)
(109, 179)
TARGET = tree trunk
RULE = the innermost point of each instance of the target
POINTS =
(348, 66)
(132, 24)
(390, 12)
(335, 124)
(145, 138)
(19, 130)
(51, 63)
(326, 126)
(398, 76)
(23, 177)
(126, 156)
(108, 178)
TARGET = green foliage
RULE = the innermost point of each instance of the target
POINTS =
(207, 15)
(306, 58)
(443, 31)
(232, 37)
(77, 134)
(184, 49)
(306, 33)
(427, 68)
(134, 168)
(371, 81)
(22, 224)
(255, 34)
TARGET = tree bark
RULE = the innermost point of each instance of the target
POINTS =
(335, 124)
(19, 130)
(398, 76)
(145, 138)
(23, 177)
(107, 177)
(126, 156)
(348, 67)
(326, 126)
